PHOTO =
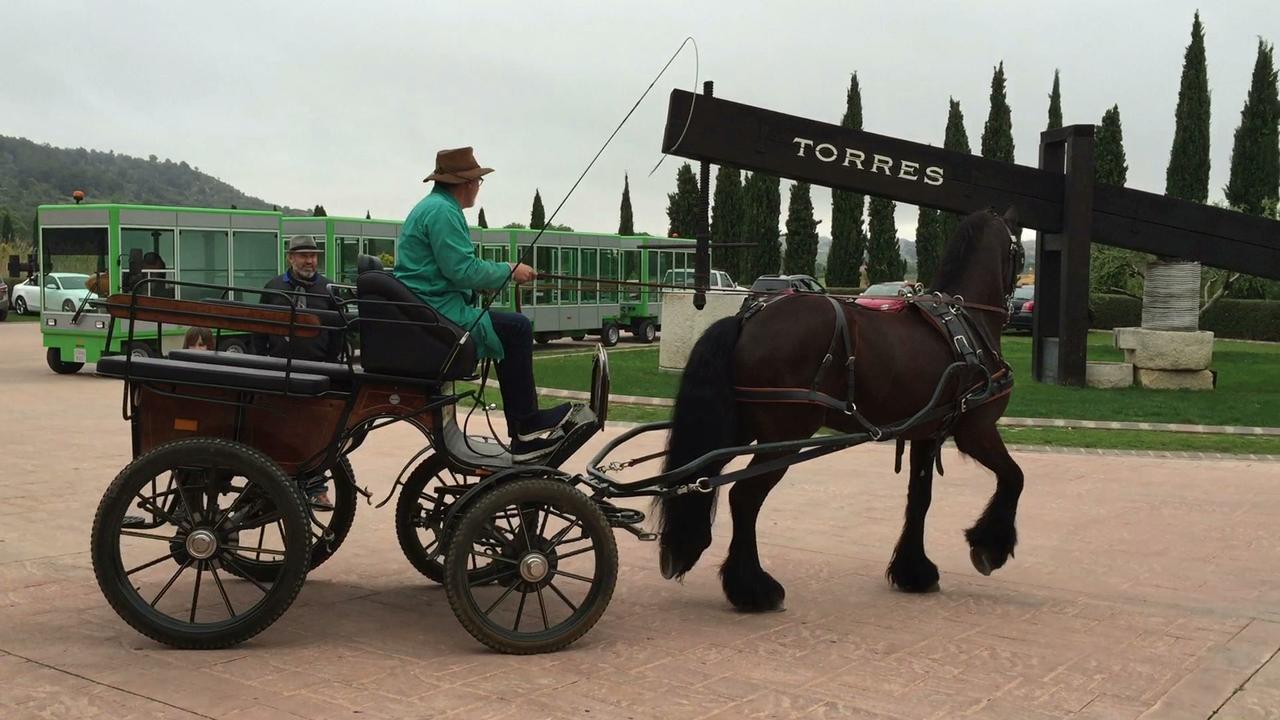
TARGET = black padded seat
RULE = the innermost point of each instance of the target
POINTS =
(402, 336)
(179, 372)
(338, 373)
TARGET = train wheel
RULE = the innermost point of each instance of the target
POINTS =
(329, 526)
(609, 335)
(53, 356)
(556, 566)
(647, 332)
(198, 504)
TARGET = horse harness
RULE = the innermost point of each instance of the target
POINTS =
(983, 373)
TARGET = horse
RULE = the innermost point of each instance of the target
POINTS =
(897, 359)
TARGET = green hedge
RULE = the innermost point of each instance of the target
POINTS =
(1228, 318)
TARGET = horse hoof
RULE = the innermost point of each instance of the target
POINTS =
(933, 589)
(666, 564)
(980, 561)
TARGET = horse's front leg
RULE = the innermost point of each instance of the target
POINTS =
(993, 537)
(910, 569)
(745, 582)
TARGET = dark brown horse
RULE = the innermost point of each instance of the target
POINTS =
(900, 359)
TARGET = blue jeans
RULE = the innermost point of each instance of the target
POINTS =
(515, 372)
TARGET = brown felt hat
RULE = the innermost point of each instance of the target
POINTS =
(457, 166)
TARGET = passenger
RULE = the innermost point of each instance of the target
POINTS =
(436, 260)
(303, 277)
(197, 338)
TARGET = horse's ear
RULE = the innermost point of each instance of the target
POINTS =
(1011, 219)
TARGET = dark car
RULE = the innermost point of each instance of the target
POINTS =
(4, 300)
(1024, 306)
(781, 284)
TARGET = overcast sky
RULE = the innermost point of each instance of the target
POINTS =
(345, 104)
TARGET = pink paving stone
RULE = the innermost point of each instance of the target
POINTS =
(1140, 586)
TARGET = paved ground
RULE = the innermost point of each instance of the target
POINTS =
(1141, 588)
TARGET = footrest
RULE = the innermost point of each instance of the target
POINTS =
(618, 517)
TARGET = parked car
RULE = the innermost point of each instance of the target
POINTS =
(62, 291)
(882, 296)
(782, 284)
(4, 300)
(720, 279)
(1024, 307)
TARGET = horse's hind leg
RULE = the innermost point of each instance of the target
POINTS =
(993, 537)
(911, 570)
(745, 583)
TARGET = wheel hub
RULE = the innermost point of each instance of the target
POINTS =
(202, 544)
(534, 567)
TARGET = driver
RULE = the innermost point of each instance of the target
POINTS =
(436, 260)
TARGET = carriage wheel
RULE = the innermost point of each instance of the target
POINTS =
(334, 523)
(556, 565)
(176, 521)
(421, 508)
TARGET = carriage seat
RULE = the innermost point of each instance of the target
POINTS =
(338, 373)
(197, 373)
(402, 336)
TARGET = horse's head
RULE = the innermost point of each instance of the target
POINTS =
(984, 258)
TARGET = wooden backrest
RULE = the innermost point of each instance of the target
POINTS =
(264, 319)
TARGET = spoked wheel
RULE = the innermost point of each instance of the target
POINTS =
(171, 531)
(556, 565)
(420, 513)
(329, 527)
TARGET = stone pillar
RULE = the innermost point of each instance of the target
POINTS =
(1168, 359)
(683, 324)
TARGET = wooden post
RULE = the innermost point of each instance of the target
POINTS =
(702, 258)
(1061, 328)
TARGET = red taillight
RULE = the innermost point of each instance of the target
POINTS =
(1028, 306)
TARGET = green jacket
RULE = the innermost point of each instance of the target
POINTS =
(435, 258)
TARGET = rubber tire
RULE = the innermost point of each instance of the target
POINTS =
(431, 566)
(344, 515)
(4, 313)
(234, 345)
(106, 561)
(579, 337)
(139, 350)
(53, 356)
(68, 305)
(647, 332)
(537, 490)
(609, 335)
(20, 305)
(542, 338)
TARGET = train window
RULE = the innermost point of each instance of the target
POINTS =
(203, 257)
(590, 269)
(608, 271)
(498, 253)
(383, 249)
(526, 290)
(631, 273)
(157, 257)
(545, 264)
(253, 261)
(569, 266)
(348, 251)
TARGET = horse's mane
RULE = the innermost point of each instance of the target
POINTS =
(960, 247)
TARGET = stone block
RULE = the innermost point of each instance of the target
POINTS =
(1108, 375)
(1165, 349)
(683, 324)
(1174, 379)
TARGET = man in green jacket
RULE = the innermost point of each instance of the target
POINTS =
(436, 260)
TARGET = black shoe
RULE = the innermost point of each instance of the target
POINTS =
(524, 451)
(544, 421)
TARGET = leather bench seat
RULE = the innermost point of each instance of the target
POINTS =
(196, 373)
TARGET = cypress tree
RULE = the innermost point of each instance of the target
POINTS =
(1188, 173)
(682, 205)
(626, 224)
(884, 259)
(929, 241)
(35, 231)
(802, 233)
(368, 215)
(726, 222)
(956, 139)
(762, 201)
(1255, 156)
(319, 211)
(1110, 268)
(538, 216)
(482, 221)
(997, 134)
(848, 241)
(1055, 105)
(6, 228)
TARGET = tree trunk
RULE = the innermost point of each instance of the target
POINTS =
(1171, 295)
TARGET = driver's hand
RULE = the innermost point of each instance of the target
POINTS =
(523, 274)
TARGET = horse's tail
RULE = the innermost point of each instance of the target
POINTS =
(705, 419)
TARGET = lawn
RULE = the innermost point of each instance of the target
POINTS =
(1248, 391)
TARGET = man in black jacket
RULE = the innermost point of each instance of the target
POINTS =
(302, 277)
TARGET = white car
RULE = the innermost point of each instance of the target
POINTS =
(719, 280)
(62, 291)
